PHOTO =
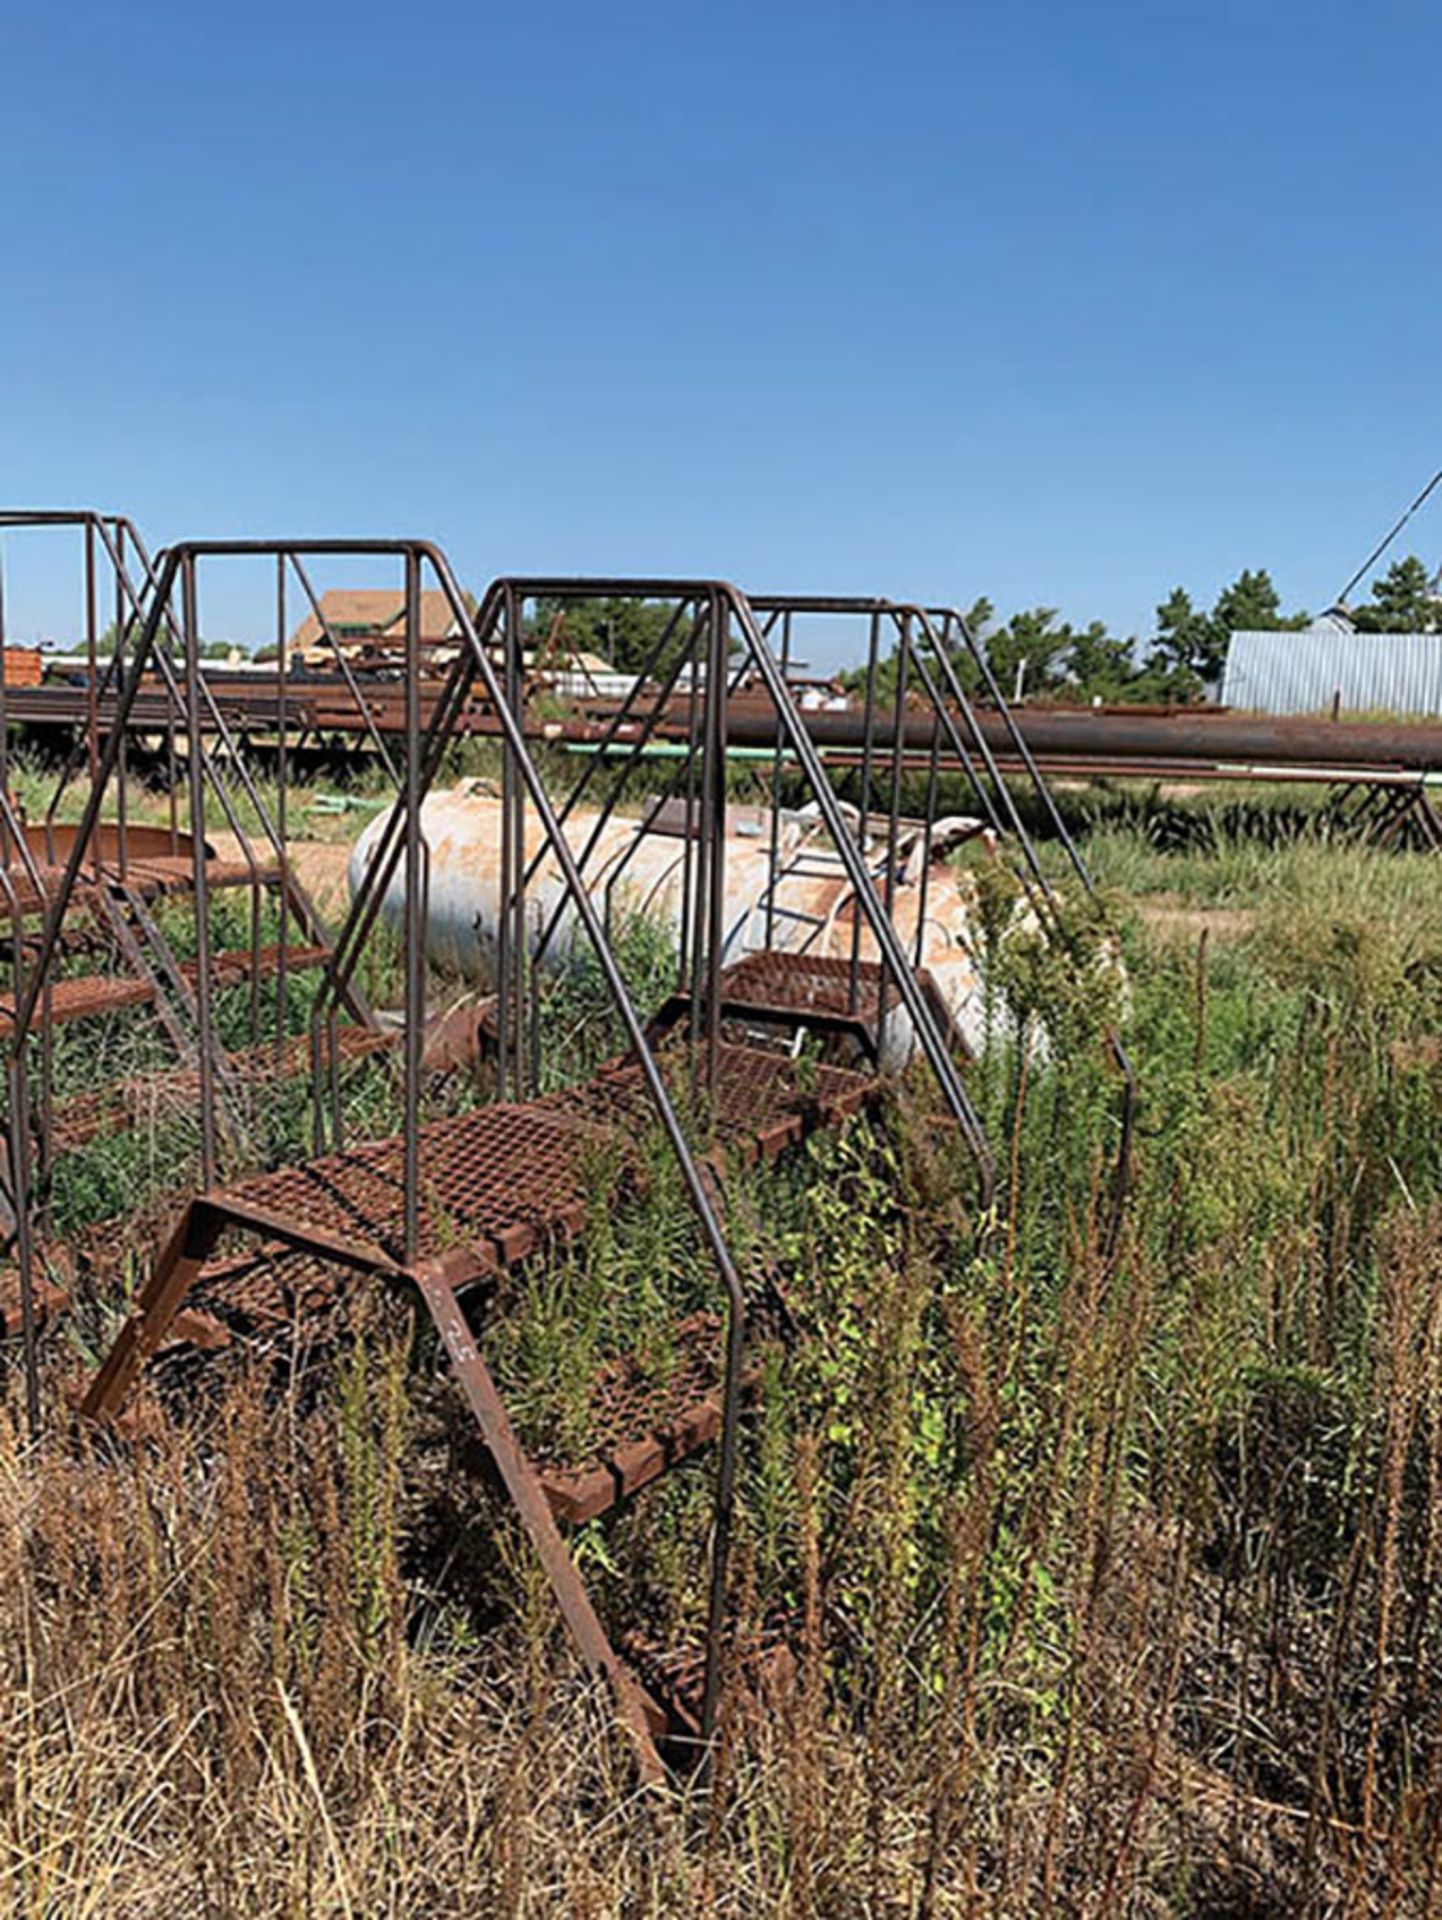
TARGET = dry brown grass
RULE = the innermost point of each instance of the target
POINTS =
(221, 1693)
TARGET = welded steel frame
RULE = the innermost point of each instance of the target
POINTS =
(498, 626)
(726, 644)
(176, 572)
(114, 557)
(29, 1147)
(929, 697)
(946, 627)
(723, 615)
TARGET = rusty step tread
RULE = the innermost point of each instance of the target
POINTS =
(498, 1178)
(761, 1104)
(804, 983)
(89, 1115)
(153, 877)
(238, 963)
(87, 996)
(49, 1301)
(763, 1664)
(497, 1184)
(639, 1427)
(780, 985)
(178, 875)
(511, 1171)
(270, 1290)
(778, 988)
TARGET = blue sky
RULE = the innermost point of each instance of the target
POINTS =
(1062, 304)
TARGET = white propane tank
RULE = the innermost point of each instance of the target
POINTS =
(639, 867)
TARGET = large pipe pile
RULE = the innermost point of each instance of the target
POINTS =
(1179, 735)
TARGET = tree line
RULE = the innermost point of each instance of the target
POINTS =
(1042, 654)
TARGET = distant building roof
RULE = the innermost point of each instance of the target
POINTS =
(1334, 620)
(364, 614)
(1330, 664)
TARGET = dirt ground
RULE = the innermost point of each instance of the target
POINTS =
(320, 865)
(1169, 919)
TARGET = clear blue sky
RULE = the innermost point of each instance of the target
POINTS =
(1066, 304)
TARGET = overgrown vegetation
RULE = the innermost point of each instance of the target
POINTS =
(1111, 1582)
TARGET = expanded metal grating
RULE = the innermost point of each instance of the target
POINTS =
(497, 1180)
(87, 996)
(758, 1097)
(504, 1181)
(804, 983)
(177, 1089)
(626, 1397)
(258, 1293)
(152, 877)
(763, 1668)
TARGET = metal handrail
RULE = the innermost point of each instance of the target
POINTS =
(176, 566)
(953, 617)
(917, 629)
(497, 617)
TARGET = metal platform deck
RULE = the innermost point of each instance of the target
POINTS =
(501, 1183)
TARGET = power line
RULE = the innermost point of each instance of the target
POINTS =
(1376, 554)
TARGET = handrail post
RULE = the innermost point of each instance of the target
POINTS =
(893, 955)
(415, 932)
(201, 890)
(713, 825)
(711, 1228)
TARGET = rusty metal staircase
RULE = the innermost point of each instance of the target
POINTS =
(447, 1204)
(510, 1185)
(80, 925)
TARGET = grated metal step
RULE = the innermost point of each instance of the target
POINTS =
(89, 996)
(50, 1301)
(763, 1670)
(500, 1183)
(153, 876)
(135, 1102)
(640, 1427)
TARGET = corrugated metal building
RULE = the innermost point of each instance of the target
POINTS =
(1329, 664)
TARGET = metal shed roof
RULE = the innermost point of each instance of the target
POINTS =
(1306, 672)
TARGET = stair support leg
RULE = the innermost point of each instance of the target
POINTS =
(639, 1716)
(189, 1247)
